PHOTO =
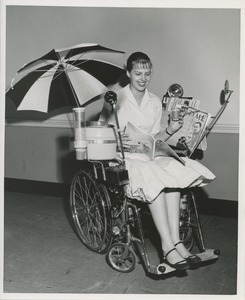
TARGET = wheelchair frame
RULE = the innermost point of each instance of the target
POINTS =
(108, 222)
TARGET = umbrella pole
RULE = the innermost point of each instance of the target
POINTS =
(71, 86)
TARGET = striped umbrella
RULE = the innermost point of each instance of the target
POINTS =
(65, 77)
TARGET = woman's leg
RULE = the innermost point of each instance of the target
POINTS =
(173, 210)
(160, 214)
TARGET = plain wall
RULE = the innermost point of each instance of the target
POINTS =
(47, 154)
(198, 48)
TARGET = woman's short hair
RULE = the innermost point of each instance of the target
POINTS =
(138, 58)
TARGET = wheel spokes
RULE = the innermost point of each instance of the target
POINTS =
(89, 211)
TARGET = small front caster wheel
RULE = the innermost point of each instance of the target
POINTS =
(161, 269)
(217, 252)
(121, 258)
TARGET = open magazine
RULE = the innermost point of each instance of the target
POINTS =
(194, 126)
(143, 142)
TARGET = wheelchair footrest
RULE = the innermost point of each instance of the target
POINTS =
(163, 268)
(160, 269)
(209, 254)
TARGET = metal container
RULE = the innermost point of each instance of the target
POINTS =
(102, 141)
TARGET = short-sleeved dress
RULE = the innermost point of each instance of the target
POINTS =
(149, 178)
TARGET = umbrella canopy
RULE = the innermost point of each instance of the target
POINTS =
(65, 77)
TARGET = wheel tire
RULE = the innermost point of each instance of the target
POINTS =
(90, 210)
(116, 262)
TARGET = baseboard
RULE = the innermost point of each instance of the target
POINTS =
(36, 187)
(216, 207)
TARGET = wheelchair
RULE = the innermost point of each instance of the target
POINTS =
(109, 222)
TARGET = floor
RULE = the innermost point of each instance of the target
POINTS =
(43, 255)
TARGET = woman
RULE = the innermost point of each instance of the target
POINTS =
(157, 182)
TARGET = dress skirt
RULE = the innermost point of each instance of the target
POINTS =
(147, 178)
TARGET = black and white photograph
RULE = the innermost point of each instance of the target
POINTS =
(121, 149)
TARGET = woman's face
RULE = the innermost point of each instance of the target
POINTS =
(140, 76)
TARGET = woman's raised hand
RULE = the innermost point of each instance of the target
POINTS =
(174, 126)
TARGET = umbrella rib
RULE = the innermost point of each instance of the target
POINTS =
(71, 65)
(72, 89)
(46, 61)
(89, 59)
(76, 59)
(46, 71)
(34, 71)
(56, 74)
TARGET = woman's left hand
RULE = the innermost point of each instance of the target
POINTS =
(174, 126)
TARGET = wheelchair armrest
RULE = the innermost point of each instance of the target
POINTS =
(181, 152)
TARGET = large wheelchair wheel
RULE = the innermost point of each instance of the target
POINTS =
(121, 258)
(90, 209)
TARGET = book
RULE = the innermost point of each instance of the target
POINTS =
(195, 122)
(140, 141)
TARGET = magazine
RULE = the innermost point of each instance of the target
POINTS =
(169, 103)
(194, 126)
(143, 142)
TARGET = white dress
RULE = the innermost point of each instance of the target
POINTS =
(148, 178)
